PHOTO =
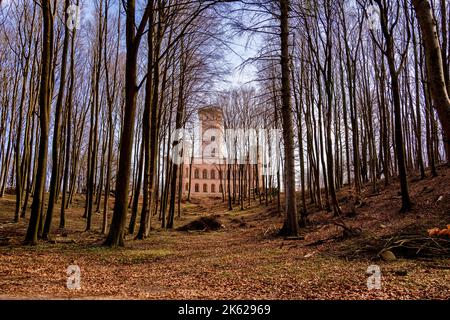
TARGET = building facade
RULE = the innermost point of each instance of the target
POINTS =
(206, 174)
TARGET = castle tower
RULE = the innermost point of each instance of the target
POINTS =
(207, 176)
(212, 131)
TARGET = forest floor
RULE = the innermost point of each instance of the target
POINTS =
(242, 260)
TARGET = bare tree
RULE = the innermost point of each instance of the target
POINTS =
(44, 115)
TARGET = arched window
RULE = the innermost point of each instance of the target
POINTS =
(213, 174)
(213, 188)
(205, 188)
(196, 174)
(187, 186)
(197, 188)
(213, 153)
(187, 173)
(220, 175)
(213, 138)
(205, 174)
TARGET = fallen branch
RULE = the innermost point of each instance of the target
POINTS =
(409, 246)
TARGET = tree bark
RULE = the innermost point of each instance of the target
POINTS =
(44, 107)
(290, 227)
(56, 130)
(434, 62)
(116, 233)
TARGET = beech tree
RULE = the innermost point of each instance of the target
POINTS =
(359, 89)
(44, 115)
(134, 33)
(435, 64)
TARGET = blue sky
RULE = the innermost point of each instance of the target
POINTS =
(243, 51)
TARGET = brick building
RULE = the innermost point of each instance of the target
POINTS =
(209, 169)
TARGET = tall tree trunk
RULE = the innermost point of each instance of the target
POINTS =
(434, 62)
(178, 140)
(290, 226)
(146, 124)
(69, 103)
(137, 191)
(399, 141)
(56, 130)
(44, 108)
(418, 109)
(116, 233)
